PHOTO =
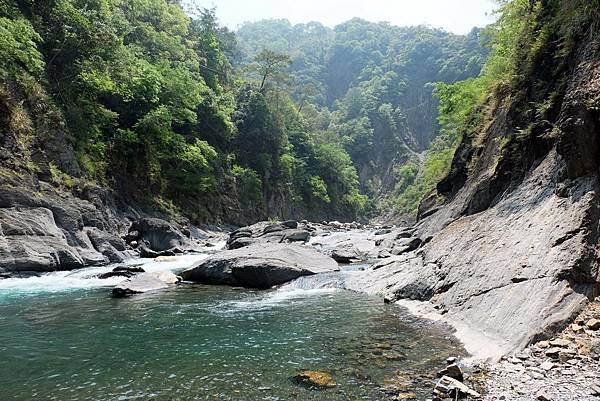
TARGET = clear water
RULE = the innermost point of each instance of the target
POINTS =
(209, 343)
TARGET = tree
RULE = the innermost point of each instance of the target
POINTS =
(270, 66)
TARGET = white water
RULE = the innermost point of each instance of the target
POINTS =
(87, 278)
(301, 289)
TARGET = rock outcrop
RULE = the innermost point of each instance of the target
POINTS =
(513, 253)
(260, 266)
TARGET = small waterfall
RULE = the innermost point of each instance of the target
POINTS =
(334, 280)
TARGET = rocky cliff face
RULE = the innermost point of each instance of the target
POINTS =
(513, 254)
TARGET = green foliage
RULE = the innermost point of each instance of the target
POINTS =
(249, 183)
(18, 47)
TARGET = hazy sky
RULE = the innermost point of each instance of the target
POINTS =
(457, 16)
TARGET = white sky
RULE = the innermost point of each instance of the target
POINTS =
(457, 16)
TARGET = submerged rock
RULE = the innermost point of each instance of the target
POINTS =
(145, 282)
(314, 378)
(260, 266)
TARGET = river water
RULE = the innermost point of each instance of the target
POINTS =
(62, 337)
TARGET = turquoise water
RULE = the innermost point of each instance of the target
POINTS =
(211, 343)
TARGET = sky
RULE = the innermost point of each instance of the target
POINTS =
(457, 16)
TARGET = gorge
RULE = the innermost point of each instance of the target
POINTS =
(454, 177)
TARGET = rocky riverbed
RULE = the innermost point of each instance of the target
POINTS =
(396, 263)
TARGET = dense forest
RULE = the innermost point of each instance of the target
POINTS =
(374, 88)
(168, 108)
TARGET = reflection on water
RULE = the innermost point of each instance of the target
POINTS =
(213, 343)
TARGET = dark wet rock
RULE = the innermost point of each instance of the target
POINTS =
(290, 223)
(131, 269)
(147, 252)
(273, 228)
(132, 236)
(112, 274)
(145, 282)
(260, 265)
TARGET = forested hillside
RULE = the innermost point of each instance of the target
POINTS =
(170, 110)
(373, 86)
(139, 97)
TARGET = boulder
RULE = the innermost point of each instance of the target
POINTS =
(240, 243)
(295, 235)
(111, 246)
(145, 282)
(290, 223)
(452, 370)
(448, 387)
(260, 266)
(30, 240)
(344, 255)
(159, 235)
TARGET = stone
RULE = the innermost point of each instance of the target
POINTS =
(565, 355)
(145, 282)
(344, 255)
(559, 342)
(543, 344)
(593, 324)
(576, 328)
(406, 396)
(290, 223)
(314, 378)
(260, 266)
(240, 242)
(449, 387)
(553, 352)
(111, 274)
(295, 235)
(542, 396)
(453, 370)
(547, 366)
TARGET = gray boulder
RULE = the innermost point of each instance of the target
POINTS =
(260, 266)
(160, 235)
(145, 282)
(295, 235)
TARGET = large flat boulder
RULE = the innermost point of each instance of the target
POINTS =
(145, 282)
(260, 265)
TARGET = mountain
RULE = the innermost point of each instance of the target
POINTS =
(372, 85)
